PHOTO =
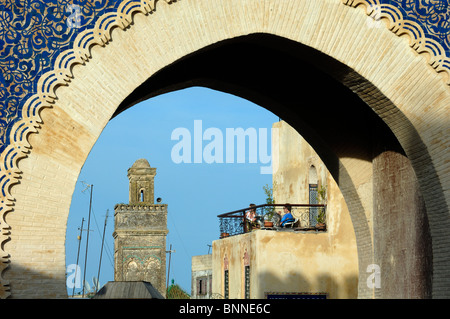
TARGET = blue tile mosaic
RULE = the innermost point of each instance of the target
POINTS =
(32, 34)
(432, 15)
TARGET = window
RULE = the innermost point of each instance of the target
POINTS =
(313, 211)
(201, 286)
(141, 195)
(226, 282)
(296, 295)
(247, 282)
(313, 199)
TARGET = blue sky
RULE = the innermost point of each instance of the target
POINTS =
(195, 192)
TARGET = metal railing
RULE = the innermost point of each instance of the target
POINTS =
(234, 223)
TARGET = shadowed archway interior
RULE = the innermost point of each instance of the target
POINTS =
(281, 76)
(310, 91)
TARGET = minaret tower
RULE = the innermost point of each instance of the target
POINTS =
(141, 177)
(140, 231)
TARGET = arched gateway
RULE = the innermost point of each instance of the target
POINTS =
(370, 94)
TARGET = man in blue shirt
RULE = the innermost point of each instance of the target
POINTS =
(287, 217)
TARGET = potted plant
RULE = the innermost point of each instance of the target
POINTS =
(321, 221)
(321, 217)
(268, 210)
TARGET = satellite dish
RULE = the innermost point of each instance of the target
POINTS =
(96, 283)
(87, 287)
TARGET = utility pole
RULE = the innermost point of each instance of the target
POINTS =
(168, 271)
(101, 250)
(78, 253)
(87, 238)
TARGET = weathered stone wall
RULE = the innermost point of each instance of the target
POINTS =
(140, 244)
(288, 262)
(402, 241)
(295, 166)
(201, 276)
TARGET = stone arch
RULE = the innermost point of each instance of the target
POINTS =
(372, 62)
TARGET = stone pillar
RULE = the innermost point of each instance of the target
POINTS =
(402, 241)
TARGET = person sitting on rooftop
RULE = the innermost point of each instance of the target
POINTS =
(250, 217)
(287, 217)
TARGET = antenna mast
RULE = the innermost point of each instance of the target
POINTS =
(87, 238)
(78, 253)
(168, 271)
(101, 250)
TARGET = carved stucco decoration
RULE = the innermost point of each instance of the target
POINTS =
(145, 220)
(146, 268)
(38, 49)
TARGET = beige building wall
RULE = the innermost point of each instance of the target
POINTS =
(305, 262)
(295, 166)
(284, 263)
(201, 277)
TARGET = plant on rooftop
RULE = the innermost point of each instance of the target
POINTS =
(321, 198)
(269, 210)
